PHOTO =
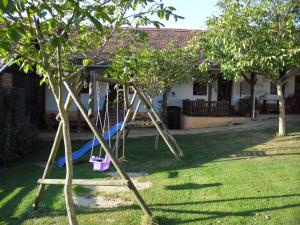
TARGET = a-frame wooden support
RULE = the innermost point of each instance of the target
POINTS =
(54, 150)
(126, 181)
(159, 125)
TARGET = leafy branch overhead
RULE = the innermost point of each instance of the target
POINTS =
(157, 70)
(75, 26)
(45, 36)
(254, 36)
(250, 35)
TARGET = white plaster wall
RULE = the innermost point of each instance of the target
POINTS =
(235, 93)
(185, 91)
(262, 90)
(290, 87)
(180, 93)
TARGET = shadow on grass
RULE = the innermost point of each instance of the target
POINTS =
(165, 208)
(173, 174)
(189, 186)
(199, 149)
(253, 156)
(229, 200)
(217, 214)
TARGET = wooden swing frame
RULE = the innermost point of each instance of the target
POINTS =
(73, 90)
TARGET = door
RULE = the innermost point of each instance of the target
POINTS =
(224, 90)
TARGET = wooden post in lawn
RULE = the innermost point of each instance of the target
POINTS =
(109, 153)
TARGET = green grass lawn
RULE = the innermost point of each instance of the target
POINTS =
(231, 177)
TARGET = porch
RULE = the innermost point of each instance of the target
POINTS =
(201, 107)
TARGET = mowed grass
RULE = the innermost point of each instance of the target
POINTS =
(233, 177)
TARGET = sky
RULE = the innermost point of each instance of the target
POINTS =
(195, 12)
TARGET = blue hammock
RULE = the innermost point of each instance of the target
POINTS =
(88, 146)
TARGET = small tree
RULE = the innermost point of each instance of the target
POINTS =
(156, 70)
(44, 36)
(251, 36)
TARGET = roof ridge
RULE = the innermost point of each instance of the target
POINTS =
(163, 29)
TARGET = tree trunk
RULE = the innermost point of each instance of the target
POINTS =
(281, 128)
(165, 106)
(69, 165)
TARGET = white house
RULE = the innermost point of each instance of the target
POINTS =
(221, 99)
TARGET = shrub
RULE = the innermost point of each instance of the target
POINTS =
(245, 106)
(16, 136)
(16, 142)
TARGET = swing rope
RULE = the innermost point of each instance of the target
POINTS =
(107, 113)
(106, 121)
(99, 119)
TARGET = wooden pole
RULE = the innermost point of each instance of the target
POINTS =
(170, 141)
(109, 153)
(49, 164)
(85, 182)
(100, 78)
(126, 97)
(128, 117)
(136, 110)
(53, 151)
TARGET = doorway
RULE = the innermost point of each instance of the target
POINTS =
(224, 90)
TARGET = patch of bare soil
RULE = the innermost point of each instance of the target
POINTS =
(115, 189)
(100, 201)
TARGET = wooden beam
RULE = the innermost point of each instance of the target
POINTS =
(100, 78)
(108, 151)
(86, 182)
(54, 149)
(162, 129)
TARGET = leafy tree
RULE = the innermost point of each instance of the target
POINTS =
(254, 36)
(44, 36)
(156, 70)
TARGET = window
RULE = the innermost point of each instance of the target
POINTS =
(273, 88)
(199, 89)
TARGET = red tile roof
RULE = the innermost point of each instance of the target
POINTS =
(158, 38)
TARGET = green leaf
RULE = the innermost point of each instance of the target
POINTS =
(25, 68)
(95, 21)
(55, 42)
(87, 62)
(14, 35)
(4, 3)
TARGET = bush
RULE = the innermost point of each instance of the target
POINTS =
(245, 106)
(16, 142)
(16, 136)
